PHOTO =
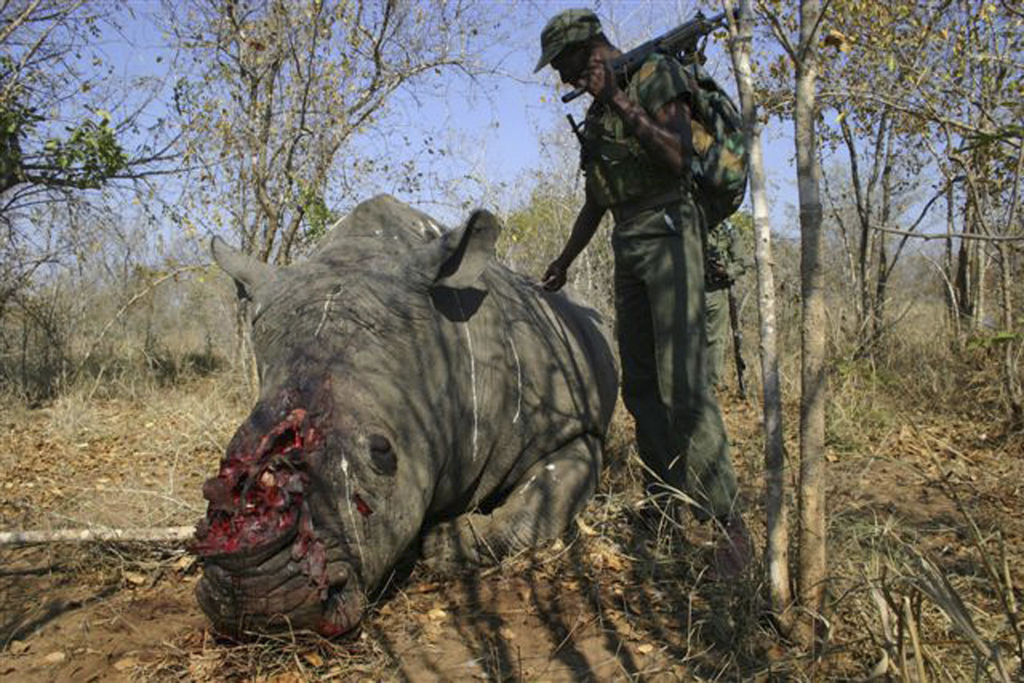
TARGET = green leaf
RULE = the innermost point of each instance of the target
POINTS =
(1004, 337)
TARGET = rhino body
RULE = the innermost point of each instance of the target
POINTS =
(413, 391)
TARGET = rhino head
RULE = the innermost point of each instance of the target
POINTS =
(328, 480)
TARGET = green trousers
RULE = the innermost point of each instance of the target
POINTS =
(717, 330)
(660, 318)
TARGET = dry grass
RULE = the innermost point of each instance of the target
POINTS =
(925, 542)
(925, 616)
(83, 462)
(923, 518)
(198, 656)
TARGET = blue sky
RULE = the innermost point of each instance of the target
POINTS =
(497, 127)
(511, 118)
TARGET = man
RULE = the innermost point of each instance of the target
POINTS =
(636, 157)
(725, 261)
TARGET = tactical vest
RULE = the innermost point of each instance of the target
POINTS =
(617, 167)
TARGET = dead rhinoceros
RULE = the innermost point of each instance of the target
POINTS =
(413, 389)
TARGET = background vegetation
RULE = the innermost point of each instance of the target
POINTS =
(270, 119)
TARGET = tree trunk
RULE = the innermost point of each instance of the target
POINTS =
(1011, 378)
(864, 197)
(966, 271)
(812, 397)
(952, 303)
(245, 357)
(965, 304)
(1011, 347)
(981, 262)
(881, 292)
(863, 205)
(777, 551)
(883, 265)
(24, 356)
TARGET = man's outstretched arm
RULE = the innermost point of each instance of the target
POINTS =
(583, 230)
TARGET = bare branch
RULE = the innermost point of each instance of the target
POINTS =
(18, 21)
(778, 30)
(945, 236)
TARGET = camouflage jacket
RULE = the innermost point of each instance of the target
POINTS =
(617, 167)
(725, 257)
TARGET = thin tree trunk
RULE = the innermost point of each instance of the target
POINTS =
(952, 306)
(981, 259)
(964, 275)
(863, 205)
(777, 551)
(1011, 376)
(963, 281)
(864, 200)
(245, 358)
(1011, 380)
(812, 397)
(884, 267)
(981, 263)
(24, 356)
(881, 292)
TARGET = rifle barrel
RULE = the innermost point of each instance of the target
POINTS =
(672, 41)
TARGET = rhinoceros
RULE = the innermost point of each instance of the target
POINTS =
(415, 396)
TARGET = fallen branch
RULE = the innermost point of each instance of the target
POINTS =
(151, 535)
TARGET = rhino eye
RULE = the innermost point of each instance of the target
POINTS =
(382, 457)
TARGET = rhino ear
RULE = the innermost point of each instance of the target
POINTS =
(465, 251)
(247, 272)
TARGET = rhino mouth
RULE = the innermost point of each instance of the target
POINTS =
(266, 567)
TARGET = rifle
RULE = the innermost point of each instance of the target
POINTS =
(680, 40)
(737, 343)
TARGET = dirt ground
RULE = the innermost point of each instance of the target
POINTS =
(625, 596)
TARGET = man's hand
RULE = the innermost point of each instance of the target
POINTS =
(554, 276)
(598, 79)
(583, 229)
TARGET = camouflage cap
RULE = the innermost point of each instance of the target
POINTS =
(565, 29)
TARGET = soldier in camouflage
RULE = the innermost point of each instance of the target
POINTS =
(636, 156)
(725, 261)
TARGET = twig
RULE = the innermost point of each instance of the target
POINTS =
(993, 574)
(915, 641)
(1011, 599)
(930, 580)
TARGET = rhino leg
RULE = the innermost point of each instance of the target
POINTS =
(537, 510)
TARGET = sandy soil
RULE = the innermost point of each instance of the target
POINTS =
(622, 598)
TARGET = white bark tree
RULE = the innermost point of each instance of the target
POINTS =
(813, 558)
(777, 551)
(803, 56)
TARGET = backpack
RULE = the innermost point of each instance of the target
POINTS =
(720, 159)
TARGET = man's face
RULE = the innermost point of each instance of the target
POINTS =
(570, 63)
